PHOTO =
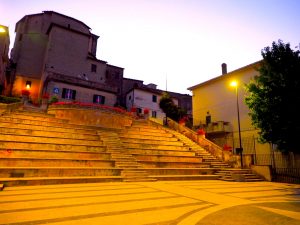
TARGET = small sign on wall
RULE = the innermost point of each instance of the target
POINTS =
(56, 90)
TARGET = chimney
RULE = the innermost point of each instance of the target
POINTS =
(224, 68)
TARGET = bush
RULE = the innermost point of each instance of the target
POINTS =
(8, 100)
(53, 99)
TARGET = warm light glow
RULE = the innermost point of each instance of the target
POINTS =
(2, 30)
(28, 85)
(234, 83)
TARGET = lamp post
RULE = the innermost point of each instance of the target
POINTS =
(240, 149)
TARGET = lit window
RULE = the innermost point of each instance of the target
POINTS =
(99, 99)
(68, 94)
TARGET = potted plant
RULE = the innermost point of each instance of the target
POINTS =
(201, 132)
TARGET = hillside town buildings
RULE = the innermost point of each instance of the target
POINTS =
(56, 54)
(4, 59)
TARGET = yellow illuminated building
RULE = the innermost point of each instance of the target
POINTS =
(218, 97)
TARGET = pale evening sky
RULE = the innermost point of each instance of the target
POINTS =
(181, 41)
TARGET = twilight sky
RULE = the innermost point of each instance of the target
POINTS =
(181, 41)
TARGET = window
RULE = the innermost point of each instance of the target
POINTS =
(68, 94)
(154, 114)
(20, 37)
(154, 98)
(129, 98)
(99, 99)
(94, 68)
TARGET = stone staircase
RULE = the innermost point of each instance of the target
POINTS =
(242, 175)
(131, 169)
(163, 155)
(36, 148)
(204, 154)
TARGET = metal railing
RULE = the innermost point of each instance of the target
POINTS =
(214, 149)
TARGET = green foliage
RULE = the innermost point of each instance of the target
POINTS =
(8, 100)
(274, 99)
(53, 99)
(169, 108)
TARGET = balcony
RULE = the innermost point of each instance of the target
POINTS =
(218, 127)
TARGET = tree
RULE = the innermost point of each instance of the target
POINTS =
(169, 108)
(274, 97)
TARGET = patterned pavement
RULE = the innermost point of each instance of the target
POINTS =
(153, 203)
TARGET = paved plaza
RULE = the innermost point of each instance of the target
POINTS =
(210, 202)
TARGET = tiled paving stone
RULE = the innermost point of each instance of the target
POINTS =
(160, 203)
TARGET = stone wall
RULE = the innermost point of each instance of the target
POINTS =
(92, 117)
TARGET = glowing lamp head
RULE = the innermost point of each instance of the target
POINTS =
(2, 30)
(234, 83)
(28, 85)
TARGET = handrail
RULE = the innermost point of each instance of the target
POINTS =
(214, 149)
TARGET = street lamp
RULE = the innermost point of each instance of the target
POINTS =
(2, 30)
(240, 149)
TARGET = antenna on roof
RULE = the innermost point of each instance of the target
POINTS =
(166, 82)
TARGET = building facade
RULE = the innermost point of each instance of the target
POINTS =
(215, 109)
(146, 98)
(4, 60)
(56, 54)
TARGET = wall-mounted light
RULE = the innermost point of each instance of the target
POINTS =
(28, 85)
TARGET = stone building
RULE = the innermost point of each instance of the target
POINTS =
(56, 54)
(219, 99)
(144, 98)
(4, 48)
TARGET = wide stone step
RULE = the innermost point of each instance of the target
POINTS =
(44, 162)
(46, 123)
(161, 146)
(180, 171)
(58, 171)
(145, 133)
(35, 118)
(184, 177)
(38, 133)
(32, 139)
(148, 137)
(19, 153)
(75, 130)
(160, 152)
(149, 141)
(50, 147)
(165, 158)
(161, 164)
(58, 180)
(145, 130)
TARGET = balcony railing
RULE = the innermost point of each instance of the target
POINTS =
(218, 127)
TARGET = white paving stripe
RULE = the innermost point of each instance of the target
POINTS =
(71, 194)
(41, 189)
(137, 218)
(287, 213)
(46, 214)
(81, 200)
